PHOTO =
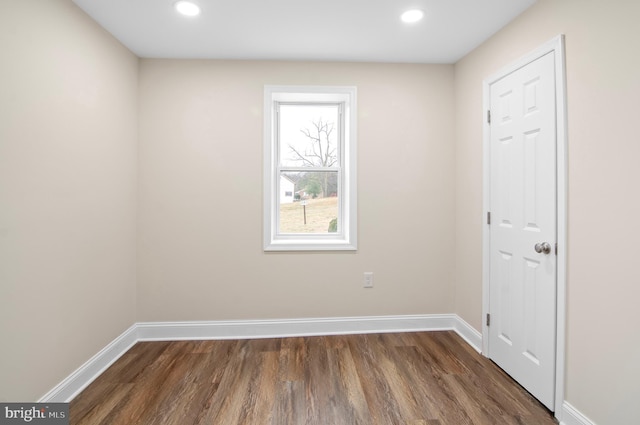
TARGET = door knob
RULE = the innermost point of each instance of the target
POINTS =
(542, 248)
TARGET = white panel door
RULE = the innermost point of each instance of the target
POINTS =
(522, 301)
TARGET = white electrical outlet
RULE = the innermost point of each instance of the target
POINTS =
(368, 279)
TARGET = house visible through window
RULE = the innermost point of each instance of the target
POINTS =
(310, 168)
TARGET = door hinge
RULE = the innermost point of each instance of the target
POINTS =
(488, 116)
(556, 248)
(488, 217)
(488, 319)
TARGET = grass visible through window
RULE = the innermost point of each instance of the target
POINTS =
(319, 213)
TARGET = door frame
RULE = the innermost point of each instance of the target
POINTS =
(555, 46)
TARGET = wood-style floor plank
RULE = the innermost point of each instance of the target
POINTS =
(422, 378)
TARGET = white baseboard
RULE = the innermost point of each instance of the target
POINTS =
(245, 329)
(472, 336)
(571, 416)
(66, 390)
(278, 328)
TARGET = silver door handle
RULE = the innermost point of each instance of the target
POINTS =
(543, 248)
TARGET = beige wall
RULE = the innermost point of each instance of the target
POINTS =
(68, 126)
(604, 152)
(200, 205)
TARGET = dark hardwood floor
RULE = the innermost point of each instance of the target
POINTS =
(422, 378)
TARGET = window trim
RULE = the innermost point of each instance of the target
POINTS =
(346, 239)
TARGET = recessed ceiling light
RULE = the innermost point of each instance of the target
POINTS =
(187, 8)
(411, 16)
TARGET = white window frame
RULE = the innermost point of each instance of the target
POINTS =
(346, 237)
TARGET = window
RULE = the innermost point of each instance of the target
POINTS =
(309, 168)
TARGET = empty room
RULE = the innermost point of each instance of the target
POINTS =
(319, 212)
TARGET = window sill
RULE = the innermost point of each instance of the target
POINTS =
(310, 245)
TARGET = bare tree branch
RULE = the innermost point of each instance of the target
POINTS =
(319, 152)
(319, 143)
(301, 157)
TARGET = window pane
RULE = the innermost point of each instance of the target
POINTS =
(309, 135)
(314, 205)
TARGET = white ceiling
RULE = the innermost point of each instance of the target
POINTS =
(318, 30)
